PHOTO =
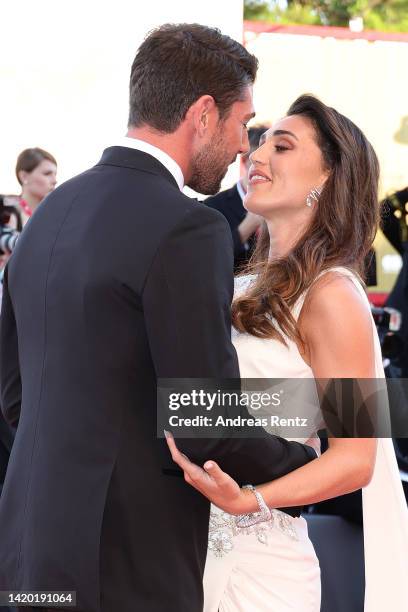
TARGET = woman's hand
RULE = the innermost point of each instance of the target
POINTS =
(213, 483)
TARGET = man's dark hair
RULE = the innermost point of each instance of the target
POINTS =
(177, 64)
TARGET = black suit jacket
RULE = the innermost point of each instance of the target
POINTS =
(92, 314)
(6, 442)
(229, 203)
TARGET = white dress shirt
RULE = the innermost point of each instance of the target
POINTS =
(165, 159)
(241, 191)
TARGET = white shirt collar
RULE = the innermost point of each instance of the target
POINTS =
(165, 159)
(241, 191)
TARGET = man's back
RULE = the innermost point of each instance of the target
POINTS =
(95, 495)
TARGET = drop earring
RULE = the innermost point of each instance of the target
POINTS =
(313, 196)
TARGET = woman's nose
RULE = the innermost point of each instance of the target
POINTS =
(255, 159)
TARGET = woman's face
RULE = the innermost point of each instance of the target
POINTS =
(40, 181)
(284, 169)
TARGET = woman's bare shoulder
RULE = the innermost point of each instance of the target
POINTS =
(336, 325)
(336, 293)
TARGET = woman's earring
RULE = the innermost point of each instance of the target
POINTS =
(313, 195)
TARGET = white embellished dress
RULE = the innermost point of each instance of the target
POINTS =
(272, 566)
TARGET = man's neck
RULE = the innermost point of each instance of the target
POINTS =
(168, 143)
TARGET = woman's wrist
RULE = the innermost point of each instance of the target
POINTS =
(263, 513)
(247, 503)
(264, 490)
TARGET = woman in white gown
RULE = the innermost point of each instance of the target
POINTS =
(302, 312)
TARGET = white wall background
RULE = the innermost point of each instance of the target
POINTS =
(64, 70)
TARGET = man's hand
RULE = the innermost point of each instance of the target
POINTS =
(213, 483)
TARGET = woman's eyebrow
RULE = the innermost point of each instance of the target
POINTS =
(284, 133)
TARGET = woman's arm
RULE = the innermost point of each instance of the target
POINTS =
(346, 466)
(337, 329)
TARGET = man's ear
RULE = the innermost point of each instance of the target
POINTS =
(204, 115)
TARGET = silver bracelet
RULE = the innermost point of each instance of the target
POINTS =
(243, 521)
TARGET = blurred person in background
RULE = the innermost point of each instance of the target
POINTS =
(243, 224)
(36, 171)
(395, 229)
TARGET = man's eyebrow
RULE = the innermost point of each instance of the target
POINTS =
(250, 116)
(284, 133)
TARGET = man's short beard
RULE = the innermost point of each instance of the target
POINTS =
(209, 167)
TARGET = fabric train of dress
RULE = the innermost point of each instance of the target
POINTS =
(272, 566)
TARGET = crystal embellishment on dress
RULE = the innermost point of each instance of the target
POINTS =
(223, 530)
(220, 543)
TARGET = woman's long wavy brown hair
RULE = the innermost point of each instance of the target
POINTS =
(341, 232)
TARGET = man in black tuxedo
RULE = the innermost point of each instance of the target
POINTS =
(94, 314)
(243, 225)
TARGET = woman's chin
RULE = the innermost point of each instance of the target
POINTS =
(253, 205)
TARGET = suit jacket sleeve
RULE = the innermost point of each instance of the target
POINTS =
(186, 301)
(10, 381)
